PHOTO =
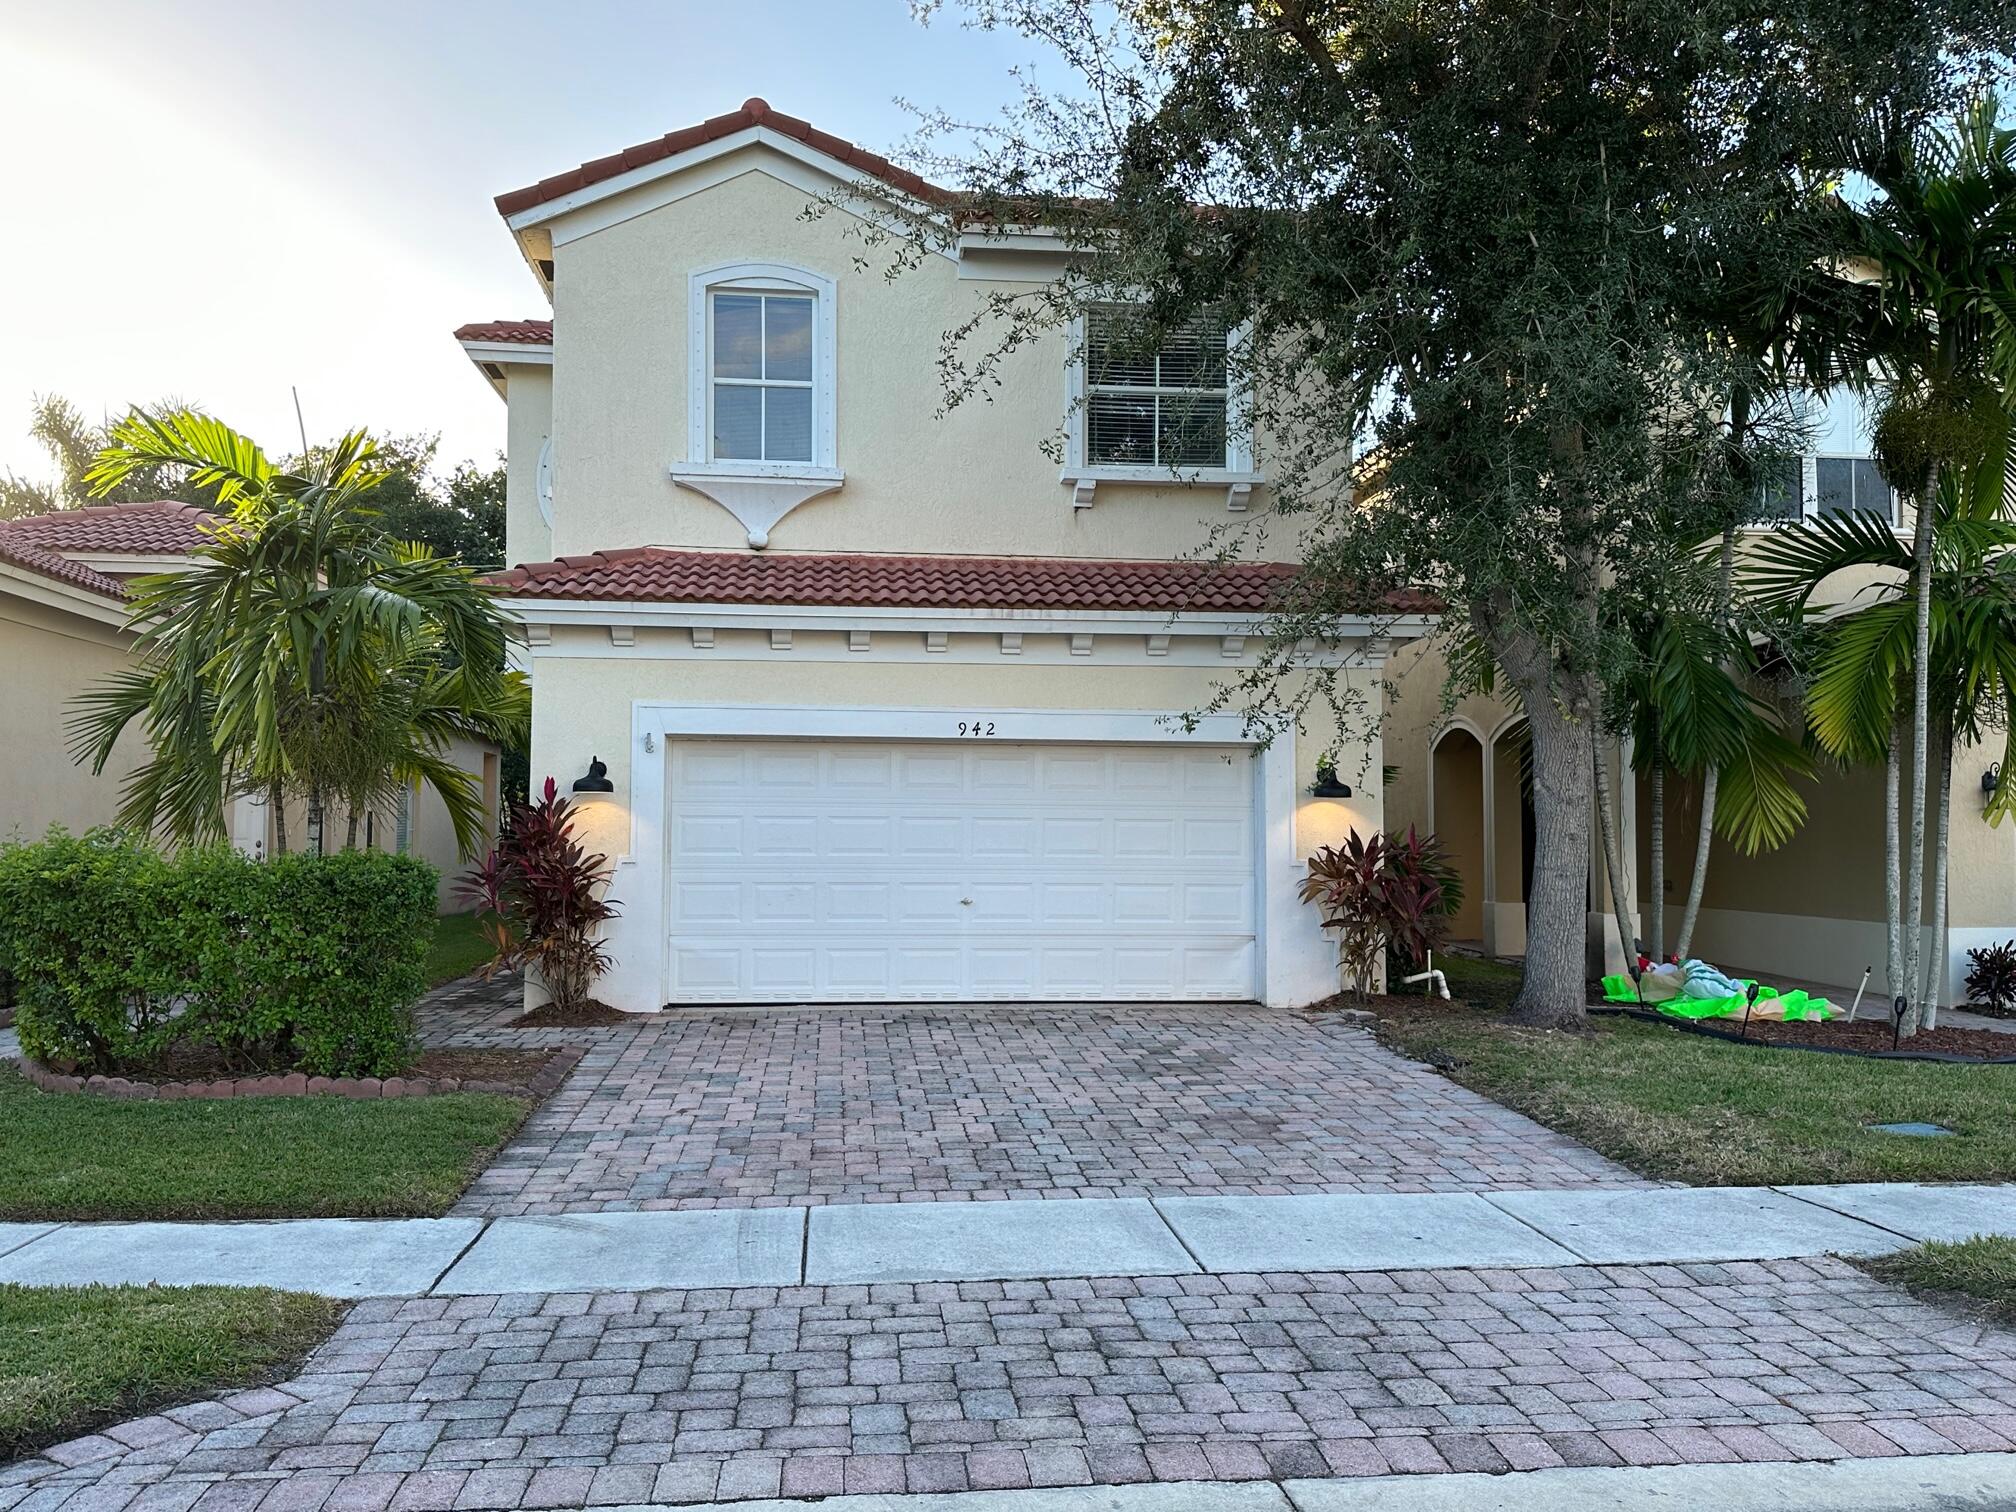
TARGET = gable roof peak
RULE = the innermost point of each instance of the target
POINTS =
(753, 112)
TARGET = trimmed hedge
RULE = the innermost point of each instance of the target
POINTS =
(309, 963)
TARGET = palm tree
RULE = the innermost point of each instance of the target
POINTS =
(1926, 259)
(1866, 658)
(1687, 704)
(301, 652)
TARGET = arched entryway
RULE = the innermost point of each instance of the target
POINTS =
(1456, 806)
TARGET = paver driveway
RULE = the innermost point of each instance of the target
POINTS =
(811, 1106)
(622, 1398)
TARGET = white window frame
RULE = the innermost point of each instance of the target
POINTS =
(1237, 476)
(759, 278)
(1809, 490)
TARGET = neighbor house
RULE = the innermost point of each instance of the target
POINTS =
(894, 706)
(1813, 910)
(63, 618)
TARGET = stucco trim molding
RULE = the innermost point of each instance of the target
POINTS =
(1297, 962)
(757, 502)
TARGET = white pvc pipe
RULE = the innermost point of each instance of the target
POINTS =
(1441, 982)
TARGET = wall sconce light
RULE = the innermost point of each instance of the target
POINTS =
(1326, 784)
(1991, 780)
(597, 780)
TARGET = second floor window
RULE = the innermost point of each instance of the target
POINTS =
(1165, 407)
(762, 376)
(1805, 487)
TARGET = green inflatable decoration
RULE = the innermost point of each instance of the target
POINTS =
(1797, 1005)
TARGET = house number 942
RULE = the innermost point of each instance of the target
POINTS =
(982, 727)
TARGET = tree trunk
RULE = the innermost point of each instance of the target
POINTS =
(1935, 964)
(1655, 884)
(315, 817)
(350, 835)
(1893, 905)
(1555, 989)
(1921, 745)
(1697, 880)
(277, 801)
(1608, 829)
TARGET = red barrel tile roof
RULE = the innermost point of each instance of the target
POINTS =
(18, 553)
(530, 332)
(663, 575)
(160, 527)
(754, 112)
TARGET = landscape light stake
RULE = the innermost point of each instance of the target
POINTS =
(1898, 1008)
(1856, 1005)
(1749, 1005)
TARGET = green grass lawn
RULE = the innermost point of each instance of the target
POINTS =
(1977, 1275)
(78, 1157)
(459, 948)
(75, 1358)
(1686, 1108)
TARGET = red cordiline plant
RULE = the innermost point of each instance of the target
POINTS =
(541, 894)
(1380, 893)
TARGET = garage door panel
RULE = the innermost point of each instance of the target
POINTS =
(859, 769)
(1075, 903)
(1074, 839)
(1005, 905)
(707, 837)
(1002, 772)
(860, 904)
(930, 837)
(1223, 840)
(1216, 906)
(709, 904)
(938, 772)
(918, 969)
(1145, 839)
(934, 904)
(857, 972)
(1007, 837)
(778, 904)
(775, 837)
(855, 837)
(779, 971)
(806, 872)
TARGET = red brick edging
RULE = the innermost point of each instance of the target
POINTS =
(545, 1080)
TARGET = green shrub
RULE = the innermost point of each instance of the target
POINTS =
(312, 963)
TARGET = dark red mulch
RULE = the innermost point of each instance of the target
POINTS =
(206, 1063)
(590, 1015)
(1868, 1034)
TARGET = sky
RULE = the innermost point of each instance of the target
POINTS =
(217, 201)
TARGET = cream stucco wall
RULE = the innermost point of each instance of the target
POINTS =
(529, 392)
(974, 480)
(51, 655)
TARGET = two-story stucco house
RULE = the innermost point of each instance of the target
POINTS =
(891, 702)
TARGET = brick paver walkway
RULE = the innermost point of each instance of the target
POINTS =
(562, 1401)
(802, 1107)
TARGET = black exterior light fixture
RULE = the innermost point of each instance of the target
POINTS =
(597, 780)
(1326, 784)
(1990, 781)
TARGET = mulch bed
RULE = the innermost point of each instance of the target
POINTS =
(198, 1074)
(590, 1015)
(1874, 1035)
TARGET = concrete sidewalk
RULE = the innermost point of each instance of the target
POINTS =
(1009, 1241)
(1954, 1481)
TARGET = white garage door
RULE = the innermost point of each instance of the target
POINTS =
(858, 871)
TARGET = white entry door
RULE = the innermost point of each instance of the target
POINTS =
(851, 871)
